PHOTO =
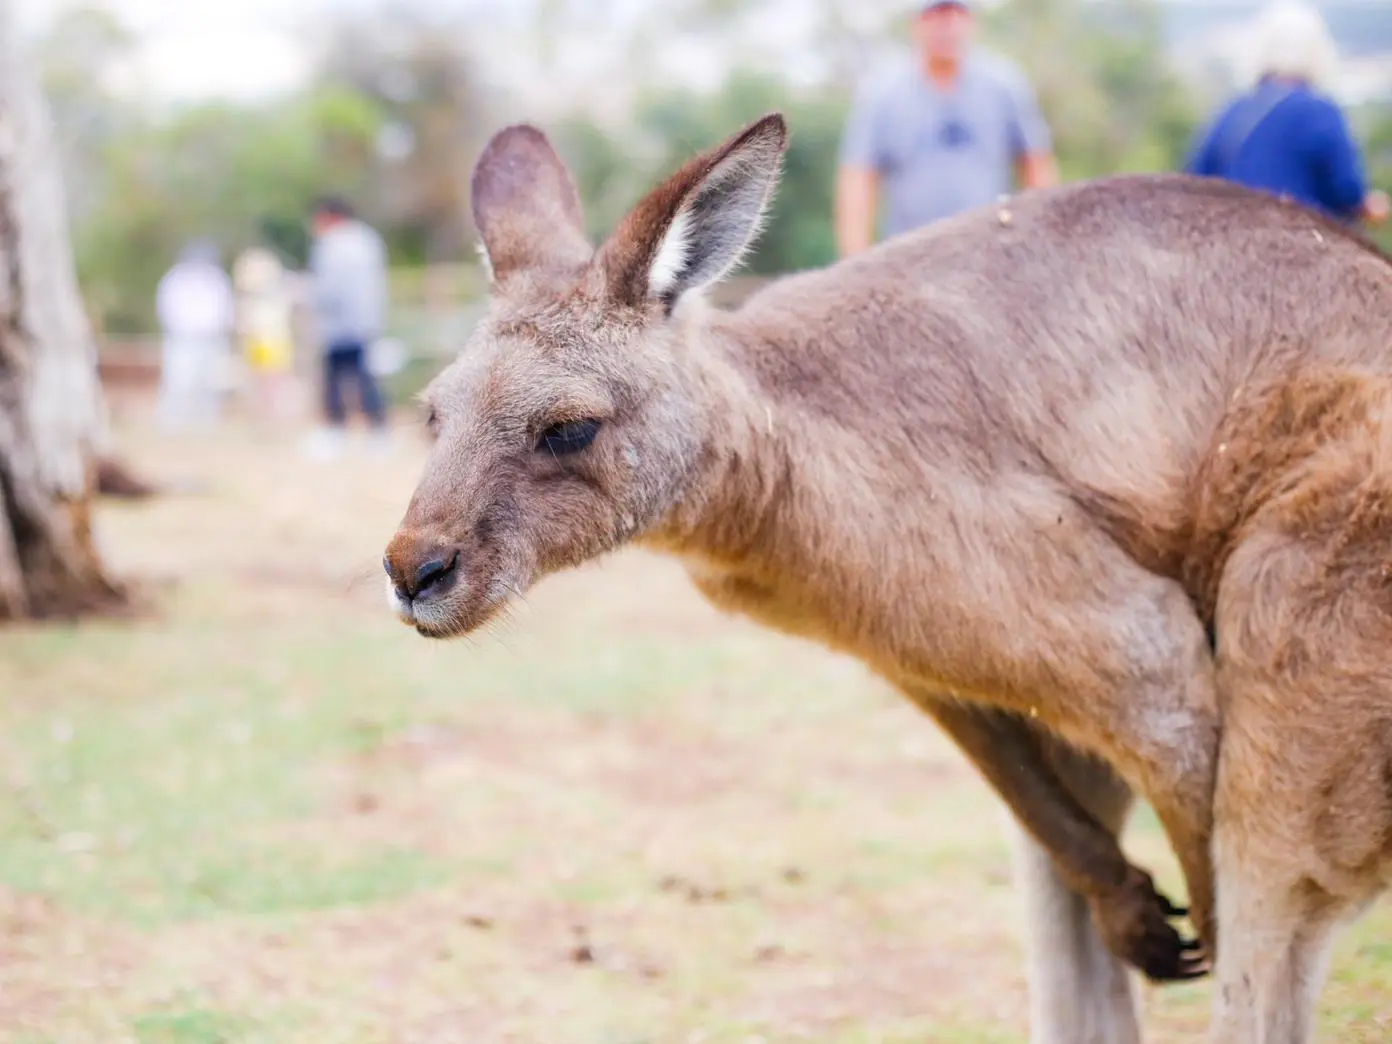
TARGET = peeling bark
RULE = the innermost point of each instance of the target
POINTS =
(52, 418)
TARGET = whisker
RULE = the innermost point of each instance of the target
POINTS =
(508, 617)
(501, 638)
(359, 578)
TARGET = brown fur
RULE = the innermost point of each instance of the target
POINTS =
(1009, 464)
(1304, 617)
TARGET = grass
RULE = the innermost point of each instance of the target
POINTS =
(192, 1026)
(270, 813)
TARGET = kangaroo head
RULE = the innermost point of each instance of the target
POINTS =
(567, 424)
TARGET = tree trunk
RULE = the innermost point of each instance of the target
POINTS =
(53, 424)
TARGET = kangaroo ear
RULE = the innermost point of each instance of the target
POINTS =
(525, 205)
(690, 231)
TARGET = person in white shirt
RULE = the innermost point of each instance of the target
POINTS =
(194, 303)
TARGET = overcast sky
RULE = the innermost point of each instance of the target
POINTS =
(195, 48)
(191, 49)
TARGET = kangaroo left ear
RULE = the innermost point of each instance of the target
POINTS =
(525, 205)
(693, 229)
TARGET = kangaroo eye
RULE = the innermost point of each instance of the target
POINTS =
(570, 437)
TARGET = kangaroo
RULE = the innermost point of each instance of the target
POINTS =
(1009, 462)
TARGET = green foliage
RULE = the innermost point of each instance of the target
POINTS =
(395, 119)
(606, 174)
(415, 70)
(798, 233)
(238, 175)
(1374, 125)
(389, 119)
(195, 1026)
(670, 125)
(1104, 85)
(82, 49)
(1112, 102)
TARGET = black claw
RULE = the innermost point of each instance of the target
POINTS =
(1162, 954)
(1194, 971)
(1184, 972)
(1175, 960)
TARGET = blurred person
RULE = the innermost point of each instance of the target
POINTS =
(194, 304)
(348, 298)
(264, 312)
(1284, 135)
(953, 129)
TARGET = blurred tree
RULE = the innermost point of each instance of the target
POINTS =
(240, 175)
(421, 79)
(79, 62)
(398, 109)
(608, 175)
(392, 119)
(52, 419)
(1102, 76)
(1374, 124)
(798, 233)
(808, 43)
(1103, 81)
(613, 168)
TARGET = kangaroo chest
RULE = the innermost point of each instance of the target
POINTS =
(866, 627)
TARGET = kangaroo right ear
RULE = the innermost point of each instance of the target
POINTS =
(694, 228)
(525, 205)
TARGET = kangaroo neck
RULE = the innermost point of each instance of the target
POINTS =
(738, 501)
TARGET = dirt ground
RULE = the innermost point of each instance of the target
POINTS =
(269, 813)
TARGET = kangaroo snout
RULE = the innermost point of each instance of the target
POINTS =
(420, 569)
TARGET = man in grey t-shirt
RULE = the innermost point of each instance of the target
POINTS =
(348, 287)
(955, 129)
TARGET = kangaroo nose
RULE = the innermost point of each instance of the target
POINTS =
(419, 576)
(433, 572)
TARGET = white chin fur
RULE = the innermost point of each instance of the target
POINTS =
(399, 607)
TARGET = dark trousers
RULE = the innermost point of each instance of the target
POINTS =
(344, 363)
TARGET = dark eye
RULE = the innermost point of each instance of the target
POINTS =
(432, 420)
(570, 437)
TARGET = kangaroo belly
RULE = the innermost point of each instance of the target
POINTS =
(1012, 596)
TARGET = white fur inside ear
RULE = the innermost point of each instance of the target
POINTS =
(484, 260)
(671, 257)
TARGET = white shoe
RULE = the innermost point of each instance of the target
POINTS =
(379, 444)
(324, 444)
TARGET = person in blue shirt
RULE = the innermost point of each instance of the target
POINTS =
(951, 128)
(1284, 136)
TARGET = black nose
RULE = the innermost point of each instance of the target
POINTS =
(431, 576)
(434, 572)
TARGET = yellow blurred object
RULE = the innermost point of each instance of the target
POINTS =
(268, 355)
(264, 305)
